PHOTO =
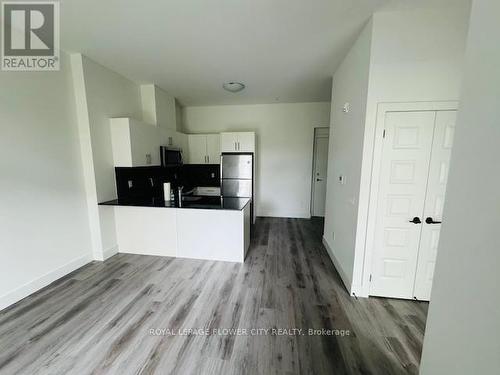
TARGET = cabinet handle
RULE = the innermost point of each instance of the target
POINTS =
(235, 147)
(208, 159)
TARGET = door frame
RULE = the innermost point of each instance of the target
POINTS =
(315, 131)
(382, 109)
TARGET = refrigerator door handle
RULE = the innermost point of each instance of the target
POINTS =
(221, 159)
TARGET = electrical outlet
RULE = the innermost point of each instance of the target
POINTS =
(130, 184)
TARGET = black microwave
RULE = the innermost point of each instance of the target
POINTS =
(170, 156)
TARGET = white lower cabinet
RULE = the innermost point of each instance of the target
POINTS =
(222, 235)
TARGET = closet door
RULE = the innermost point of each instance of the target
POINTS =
(402, 189)
(433, 207)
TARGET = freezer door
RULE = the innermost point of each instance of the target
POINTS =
(237, 188)
(236, 166)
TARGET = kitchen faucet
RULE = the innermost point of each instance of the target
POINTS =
(179, 192)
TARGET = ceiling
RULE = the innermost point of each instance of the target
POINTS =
(283, 50)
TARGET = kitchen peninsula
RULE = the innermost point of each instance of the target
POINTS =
(210, 228)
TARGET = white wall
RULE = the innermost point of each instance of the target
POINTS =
(102, 94)
(463, 321)
(284, 148)
(415, 56)
(44, 231)
(158, 107)
(165, 109)
(350, 85)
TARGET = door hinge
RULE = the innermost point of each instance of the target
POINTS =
(383, 135)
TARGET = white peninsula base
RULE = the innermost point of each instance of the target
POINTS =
(212, 234)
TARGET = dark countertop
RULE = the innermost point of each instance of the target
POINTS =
(197, 202)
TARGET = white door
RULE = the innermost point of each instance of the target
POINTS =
(433, 208)
(320, 164)
(402, 187)
(229, 142)
(246, 142)
(213, 148)
(197, 148)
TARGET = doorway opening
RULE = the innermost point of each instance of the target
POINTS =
(320, 166)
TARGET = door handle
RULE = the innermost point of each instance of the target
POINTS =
(430, 220)
(416, 220)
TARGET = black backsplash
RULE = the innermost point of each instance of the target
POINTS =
(193, 175)
(136, 182)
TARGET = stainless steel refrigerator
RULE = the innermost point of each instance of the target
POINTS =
(237, 177)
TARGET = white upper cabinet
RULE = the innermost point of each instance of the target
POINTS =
(135, 143)
(197, 146)
(204, 148)
(246, 142)
(228, 142)
(238, 142)
(213, 148)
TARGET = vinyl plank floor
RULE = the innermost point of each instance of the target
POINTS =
(136, 314)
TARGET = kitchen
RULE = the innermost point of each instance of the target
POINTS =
(195, 203)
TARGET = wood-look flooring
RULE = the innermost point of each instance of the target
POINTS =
(97, 320)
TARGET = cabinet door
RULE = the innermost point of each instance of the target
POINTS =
(246, 142)
(229, 142)
(197, 145)
(213, 148)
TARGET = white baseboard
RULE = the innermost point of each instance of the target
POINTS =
(37, 284)
(345, 279)
(285, 214)
(108, 253)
